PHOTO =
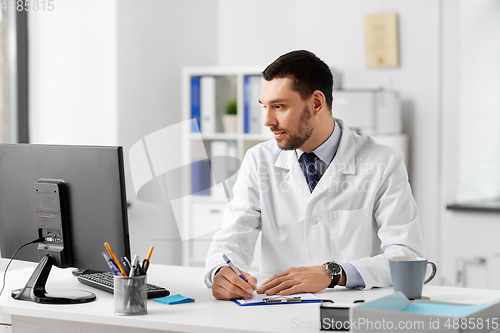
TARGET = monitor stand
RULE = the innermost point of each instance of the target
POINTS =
(34, 290)
(82, 271)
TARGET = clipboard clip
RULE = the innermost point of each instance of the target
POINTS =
(282, 300)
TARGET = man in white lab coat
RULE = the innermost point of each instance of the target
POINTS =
(332, 206)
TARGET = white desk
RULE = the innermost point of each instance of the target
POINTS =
(204, 315)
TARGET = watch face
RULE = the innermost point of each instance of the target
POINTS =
(334, 269)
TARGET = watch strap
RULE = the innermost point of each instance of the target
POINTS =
(335, 281)
(335, 277)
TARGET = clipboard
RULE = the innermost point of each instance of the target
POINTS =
(278, 299)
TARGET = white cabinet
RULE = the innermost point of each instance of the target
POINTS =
(5, 323)
(213, 150)
(376, 113)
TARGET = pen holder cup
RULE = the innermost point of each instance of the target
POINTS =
(130, 295)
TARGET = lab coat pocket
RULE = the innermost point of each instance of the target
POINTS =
(351, 234)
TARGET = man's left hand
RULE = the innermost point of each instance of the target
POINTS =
(297, 280)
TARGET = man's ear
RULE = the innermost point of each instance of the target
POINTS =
(318, 101)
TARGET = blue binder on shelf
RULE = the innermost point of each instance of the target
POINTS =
(200, 171)
(195, 103)
(252, 110)
(246, 104)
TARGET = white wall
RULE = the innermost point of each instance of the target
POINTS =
(466, 235)
(154, 42)
(108, 73)
(257, 32)
(479, 54)
(72, 73)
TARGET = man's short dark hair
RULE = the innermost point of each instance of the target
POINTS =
(307, 71)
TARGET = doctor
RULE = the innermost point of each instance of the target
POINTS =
(332, 206)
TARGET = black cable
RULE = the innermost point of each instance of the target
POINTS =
(39, 240)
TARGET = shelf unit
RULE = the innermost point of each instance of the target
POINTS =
(201, 210)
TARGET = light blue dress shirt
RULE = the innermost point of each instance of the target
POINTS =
(326, 153)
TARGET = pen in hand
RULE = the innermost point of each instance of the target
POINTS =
(235, 269)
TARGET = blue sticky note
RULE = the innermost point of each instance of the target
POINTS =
(174, 299)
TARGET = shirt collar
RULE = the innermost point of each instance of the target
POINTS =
(327, 150)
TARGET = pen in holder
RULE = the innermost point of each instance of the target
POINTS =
(130, 295)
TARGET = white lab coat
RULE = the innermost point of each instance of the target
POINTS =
(361, 211)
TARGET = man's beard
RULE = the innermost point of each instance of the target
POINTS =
(296, 141)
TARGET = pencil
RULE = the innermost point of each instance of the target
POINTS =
(150, 252)
(112, 255)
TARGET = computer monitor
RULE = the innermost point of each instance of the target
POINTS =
(74, 197)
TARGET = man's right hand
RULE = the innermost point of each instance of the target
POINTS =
(227, 285)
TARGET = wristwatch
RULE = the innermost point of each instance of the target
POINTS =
(335, 271)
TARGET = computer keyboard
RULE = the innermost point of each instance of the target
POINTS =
(105, 281)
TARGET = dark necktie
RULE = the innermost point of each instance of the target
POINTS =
(312, 174)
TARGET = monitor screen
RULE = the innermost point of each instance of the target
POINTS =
(94, 201)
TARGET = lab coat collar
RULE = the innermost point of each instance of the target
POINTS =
(346, 153)
(344, 160)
